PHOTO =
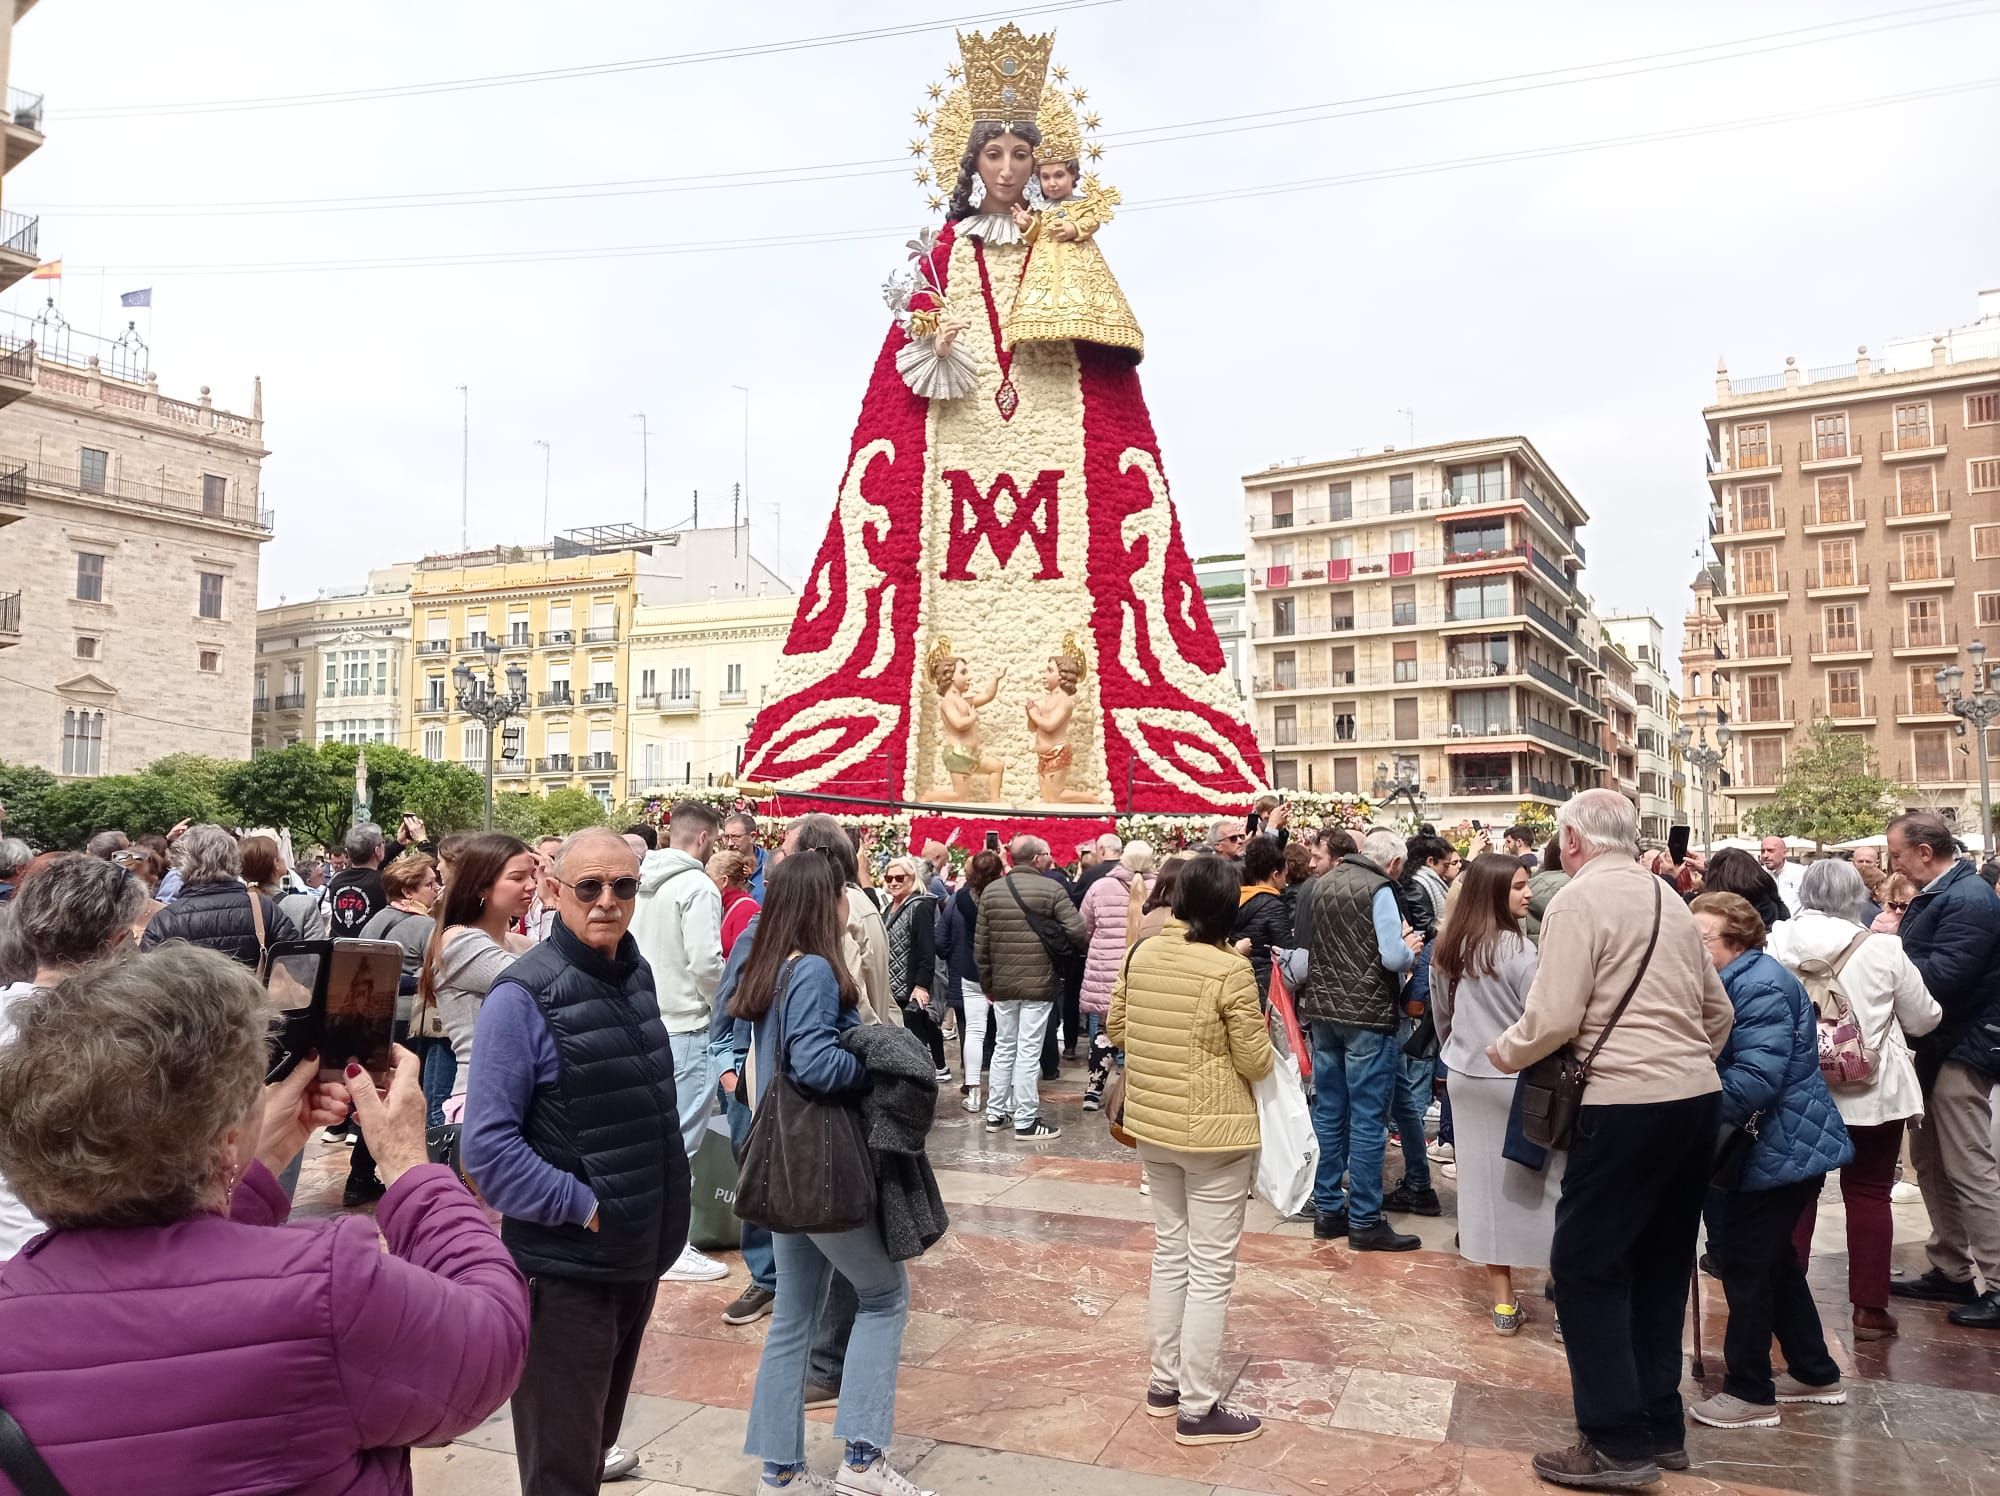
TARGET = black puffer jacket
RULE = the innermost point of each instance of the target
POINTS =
(1264, 921)
(216, 916)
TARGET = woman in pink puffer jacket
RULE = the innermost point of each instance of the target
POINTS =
(1107, 914)
(168, 1333)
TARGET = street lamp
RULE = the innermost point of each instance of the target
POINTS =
(1389, 788)
(1980, 708)
(1706, 759)
(484, 700)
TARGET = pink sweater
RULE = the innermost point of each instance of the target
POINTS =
(218, 1356)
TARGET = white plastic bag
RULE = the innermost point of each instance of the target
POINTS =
(1289, 1154)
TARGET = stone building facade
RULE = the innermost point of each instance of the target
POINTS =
(334, 668)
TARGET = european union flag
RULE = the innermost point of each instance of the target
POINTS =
(137, 298)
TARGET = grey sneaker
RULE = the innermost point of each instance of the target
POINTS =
(1792, 1390)
(1162, 1402)
(619, 1463)
(1725, 1411)
(1509, 1321)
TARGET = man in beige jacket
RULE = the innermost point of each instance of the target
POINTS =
(1640, 1162)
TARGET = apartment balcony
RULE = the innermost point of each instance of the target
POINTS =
(599, 696)
(1960, 774)
(1574, 746)
(291, 701)
(601, 636)
(433, 706)
(10, 619)
(1859, 645)
(1937, 571)
(1754, 462)
(1929, 508)
(1923, 709)
(431, 647)
(1772, 586)
(1762, 650)
(518, 639)
(1858, 713)
(24, 126)
(732, 698)
(510, 768)
(1737, 526)
(1310, 680)
(1914, 443)
(558, 638)
(1766, 718)
(1825, 452)
(1548, 789)
(559, 698)
(1520, 496)
(20, 246)
(555, 763)
(1837, 581)
(17, 369)
(1937, 637)
(1562, 632)
(597, 763)
(671, 704)
(96, 487)
(13, 494)
(1830, 519)
(474, 643)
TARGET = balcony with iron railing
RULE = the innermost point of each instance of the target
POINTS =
(1761, 648)
(607, 635)
(600, 694)
(434, 706)
(557, 638)
(1926, 707)
(1834, 449)
(13, 493)
(20, 246)
(1759, 524)
(1382, 506)
(1939, 770)
(1827, 517)
(1304, 680)
(1762, 716)
(290, 701)
(1916, 508)
(671, 703)
(1914, 441)
(1924, 571)
(597, 763)
(101, 487)
(1933, 636)
(1839, 646)
(555, 763)
(24, 126)
(1575, 746)
(1548, 789)
(1751, 459)
(1756, 586)
(1474, 786)
(432, 647)
(1563, 632)
(738, 697)
(1824, 581)
(10, 618)
(17, 367)
(556, 696)
(1857, 711)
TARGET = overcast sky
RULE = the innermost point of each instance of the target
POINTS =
(1579, 299)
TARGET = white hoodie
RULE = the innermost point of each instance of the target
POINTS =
(1889, 1001)
(678, 924)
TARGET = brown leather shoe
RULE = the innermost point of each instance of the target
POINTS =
(1873, 1324)
(1585, 1467)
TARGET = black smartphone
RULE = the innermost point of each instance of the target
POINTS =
(291, 977)
(1477, 827)
(360, 1013)
(1677, 844)
(992, 841)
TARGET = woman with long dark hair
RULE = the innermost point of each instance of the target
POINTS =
(798, 998)
(1481, 969)
(492, 885)
(1733, 870)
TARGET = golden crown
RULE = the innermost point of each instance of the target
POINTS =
(1073, 652)
(1004, 73)
(939, 653)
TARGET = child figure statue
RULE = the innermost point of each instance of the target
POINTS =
(1067, 292)
(959, 702)
(1049, 722)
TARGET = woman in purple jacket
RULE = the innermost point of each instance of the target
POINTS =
(164, 1332)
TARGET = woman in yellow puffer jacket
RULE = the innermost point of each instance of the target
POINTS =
(1185, 1012)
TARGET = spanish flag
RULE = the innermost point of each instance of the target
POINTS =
(49, 272)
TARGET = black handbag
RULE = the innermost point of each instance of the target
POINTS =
(1552, 1088)
(1732, 1152)
(806, 1164)
(22, 1463)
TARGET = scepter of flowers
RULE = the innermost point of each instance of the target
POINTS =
(903, 286)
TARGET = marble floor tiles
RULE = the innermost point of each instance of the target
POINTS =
(1377, 1375)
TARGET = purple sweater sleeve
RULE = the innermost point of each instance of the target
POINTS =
(430, 1336)
(513, 1053)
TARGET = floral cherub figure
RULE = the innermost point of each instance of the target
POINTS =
(1067, 292)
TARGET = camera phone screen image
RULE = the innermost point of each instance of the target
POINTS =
(360, 1007)
(289, 983)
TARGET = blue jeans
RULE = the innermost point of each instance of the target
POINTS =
(756, 1240)
(694, 1086)
(867, 1411)
(1354, 1072)
(439, 1075)
(1407, 1107)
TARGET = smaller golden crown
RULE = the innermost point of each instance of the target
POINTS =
(1073, 652)
(1061, 139)
(1004, 73)
(940, 652)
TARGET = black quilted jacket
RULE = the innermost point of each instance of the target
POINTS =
(217, 916)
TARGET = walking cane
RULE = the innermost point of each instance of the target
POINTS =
(1695, 1368)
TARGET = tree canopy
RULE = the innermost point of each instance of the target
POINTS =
(310, 790)
(1830, 791)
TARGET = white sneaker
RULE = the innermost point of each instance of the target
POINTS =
(879, 1479)
(970, 1101)
(1902, 1192)
(693, 1267)
(1442, 1153)
(619, 1463)
(808, 1482)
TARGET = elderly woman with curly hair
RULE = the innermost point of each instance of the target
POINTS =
(162, 1332)
(213, 908)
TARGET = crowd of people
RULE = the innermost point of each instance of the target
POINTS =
(572, 1014)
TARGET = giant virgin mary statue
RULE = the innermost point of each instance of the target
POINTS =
(1002, 613)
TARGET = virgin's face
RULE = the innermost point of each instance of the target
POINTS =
(1006, 163)
(1517, 895)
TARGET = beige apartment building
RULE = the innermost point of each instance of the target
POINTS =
(1415, 619)
(1856, 526)
(334, 668)
(128, 564)
(700, 672)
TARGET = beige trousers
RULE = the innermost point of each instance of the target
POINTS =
(1952, 1148)
(1198, 1201)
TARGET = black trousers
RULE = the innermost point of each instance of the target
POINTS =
(917, 1019)
(583, 1343)
(1623, 1250)
(1766, 1288)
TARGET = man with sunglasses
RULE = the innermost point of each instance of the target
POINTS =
(1227, 836)
(572, 1128)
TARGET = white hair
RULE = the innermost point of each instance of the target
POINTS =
(207, 854)
(1027, 848)
(914, 866)
(1137, 856)
(588, 834)
(1384, 848)
(1603, 820)
(1833, 887)
(1108, 845)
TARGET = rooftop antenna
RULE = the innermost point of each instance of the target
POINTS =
(645, 467)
